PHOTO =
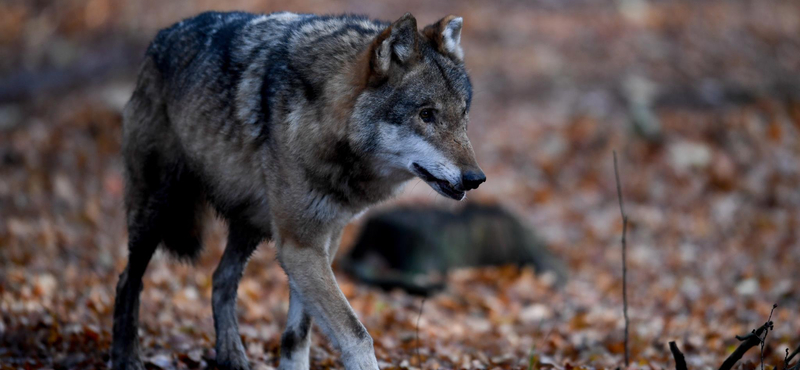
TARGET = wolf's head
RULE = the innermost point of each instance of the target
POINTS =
(414, 106)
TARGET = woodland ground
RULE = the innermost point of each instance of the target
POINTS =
(701, 100)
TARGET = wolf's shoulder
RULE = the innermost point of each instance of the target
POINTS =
(213, 35)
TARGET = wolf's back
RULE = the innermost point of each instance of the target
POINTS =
(248, 62)
(204, 43)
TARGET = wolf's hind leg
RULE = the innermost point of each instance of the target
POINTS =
(125, 345)
(242, 241)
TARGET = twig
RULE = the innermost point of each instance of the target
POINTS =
(419, 357)
(748, 341)
(766, 332)
(533, 348)
(789, 357)
(680, 360)
(624, 260)
(544, 342)
(786, 359)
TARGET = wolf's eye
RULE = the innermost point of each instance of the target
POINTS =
(426, 115)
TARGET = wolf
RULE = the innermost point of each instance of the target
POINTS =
(414, 247)
(287, 125)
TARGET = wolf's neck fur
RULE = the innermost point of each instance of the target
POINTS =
(340, 160)
(345, 166)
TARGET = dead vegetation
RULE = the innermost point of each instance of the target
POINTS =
(701, 100)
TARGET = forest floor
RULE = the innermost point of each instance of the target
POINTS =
(701, 101)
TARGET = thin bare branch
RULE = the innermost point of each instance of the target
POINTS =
(419, 357)
(766, 332)
(789, 358)
(624, 259)
(680, 360)
(748, 341)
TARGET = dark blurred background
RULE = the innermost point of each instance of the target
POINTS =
(700, 99)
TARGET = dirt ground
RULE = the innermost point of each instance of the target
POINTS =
(701, 101)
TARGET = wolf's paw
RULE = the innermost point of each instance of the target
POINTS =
(128, 363)
(293, 365)
(298, 361)
(361, 363)
(230, 352)
(233, 360)
(360, 358)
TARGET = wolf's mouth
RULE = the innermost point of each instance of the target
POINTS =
(443, 187)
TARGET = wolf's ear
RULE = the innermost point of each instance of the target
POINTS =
(397, 43)
(446, 36)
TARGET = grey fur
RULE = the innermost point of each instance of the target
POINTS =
(287, 125)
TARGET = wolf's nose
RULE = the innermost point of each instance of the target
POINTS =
(472, 179)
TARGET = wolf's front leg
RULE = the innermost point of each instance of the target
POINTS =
(296, 340)
(312, 281)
